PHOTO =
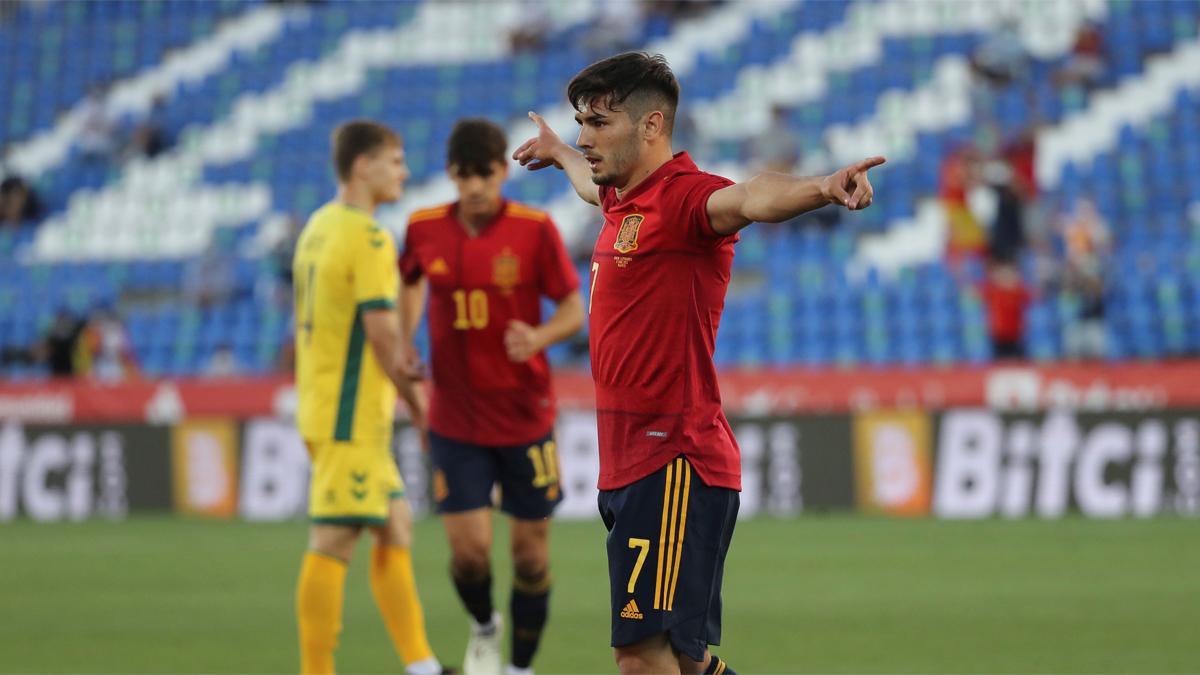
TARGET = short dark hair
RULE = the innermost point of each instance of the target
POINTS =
(356, 138)
(475, 145)
(638, 81)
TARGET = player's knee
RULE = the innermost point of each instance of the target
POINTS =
(335, 542)
(397, 534)
(530, 557)
(530, 569)
(470, 565)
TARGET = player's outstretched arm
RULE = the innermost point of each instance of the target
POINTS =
(547, 149)
(776, 197)
(382, 327)
(523, 342)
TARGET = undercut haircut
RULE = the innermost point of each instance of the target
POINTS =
(634, 82)
(356, 138)
(475, 145)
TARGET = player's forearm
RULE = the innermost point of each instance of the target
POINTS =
(579, 172)
(565, 322)
(412, 308)
(776, 197)
(383, 334)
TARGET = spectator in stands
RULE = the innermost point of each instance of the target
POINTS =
(776, 148)
(208, 279)
(616, 28)
(528, 33)
(148, 137)
(222, 363)
(1086, 65)
(97, 133)
(19, 202)
(1087, 243)
(1001, 58)
(958, 177)
(280, 284)
(103, 351)
(57, 348)
(1005, 297)
(1006, 237)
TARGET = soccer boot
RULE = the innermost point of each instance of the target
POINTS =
(483, 648)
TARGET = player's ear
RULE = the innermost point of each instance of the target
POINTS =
(654, 125)
(501, 167)
(452, 170)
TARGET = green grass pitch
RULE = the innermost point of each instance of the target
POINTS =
(829, 594)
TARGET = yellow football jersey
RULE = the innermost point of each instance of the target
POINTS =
(344, 265)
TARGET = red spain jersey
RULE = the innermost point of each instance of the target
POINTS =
(477, 284)
(659, 275)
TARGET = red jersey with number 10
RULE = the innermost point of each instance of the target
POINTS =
(477, 284)
(659, 275)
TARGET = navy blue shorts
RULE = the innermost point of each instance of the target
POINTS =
(668, 534)
(464, 474)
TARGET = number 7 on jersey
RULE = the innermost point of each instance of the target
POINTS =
(592, 292)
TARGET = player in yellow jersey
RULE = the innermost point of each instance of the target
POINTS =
(348, 372)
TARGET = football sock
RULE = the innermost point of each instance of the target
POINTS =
(395, 591)
(476, 596)
(319, 610)
(718, 667)
(530, 605)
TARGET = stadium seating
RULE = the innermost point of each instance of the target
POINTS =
(251, 135)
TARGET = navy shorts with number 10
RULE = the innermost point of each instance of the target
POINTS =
(668, 534)
(464, 475)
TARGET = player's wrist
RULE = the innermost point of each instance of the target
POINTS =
(562, 153)
(826, 190)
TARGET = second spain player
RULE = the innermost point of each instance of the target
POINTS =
(348, 370)
(487, 263)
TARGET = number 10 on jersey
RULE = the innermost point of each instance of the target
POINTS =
(470, 309)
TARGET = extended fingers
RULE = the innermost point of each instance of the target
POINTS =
(523, 148)
(868, 163)
(863, 192)
(837, 190)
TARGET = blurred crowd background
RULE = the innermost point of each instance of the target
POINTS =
(1041, 200)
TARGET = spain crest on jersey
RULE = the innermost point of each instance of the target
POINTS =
(627, 236)
(506, 270)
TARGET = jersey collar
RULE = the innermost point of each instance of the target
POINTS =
(486, 226)
(678, 163)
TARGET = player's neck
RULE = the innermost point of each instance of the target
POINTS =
(356, 197)
(653, 160)
(475, 222)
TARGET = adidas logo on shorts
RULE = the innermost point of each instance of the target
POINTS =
(631, 611)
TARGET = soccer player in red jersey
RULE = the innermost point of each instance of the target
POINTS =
(487, 263)
(670, 468)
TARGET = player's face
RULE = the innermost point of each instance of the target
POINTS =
(478, 195)
(610, 143)
(387, 173)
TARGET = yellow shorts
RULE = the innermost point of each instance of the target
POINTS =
(353, 483)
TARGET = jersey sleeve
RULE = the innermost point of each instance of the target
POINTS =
(410, 262)
(692, 192)
(376, 282)
(556, 274)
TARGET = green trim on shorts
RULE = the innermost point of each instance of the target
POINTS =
(396, 494)
(349, 521)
